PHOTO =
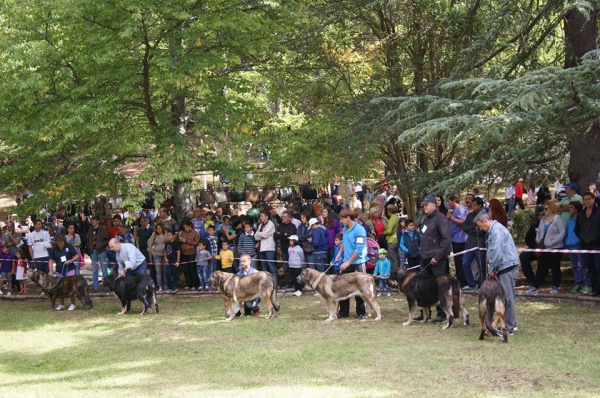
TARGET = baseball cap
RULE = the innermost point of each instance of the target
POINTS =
(293, 237)
(428, 199)
(572, 185)
(312, 222)
(382, 251)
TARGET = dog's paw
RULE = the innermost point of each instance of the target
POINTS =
(378, 318)
(330, 319)
(446, 327)
(406, 323)
(228, 319)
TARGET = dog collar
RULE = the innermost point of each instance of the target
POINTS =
(314, 285)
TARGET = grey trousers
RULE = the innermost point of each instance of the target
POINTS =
(507, 280)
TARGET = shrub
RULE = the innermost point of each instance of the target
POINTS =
(522, 220)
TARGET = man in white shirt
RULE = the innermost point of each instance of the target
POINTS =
(39, 242)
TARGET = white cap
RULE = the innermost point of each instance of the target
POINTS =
(312, 222)
(293, 237)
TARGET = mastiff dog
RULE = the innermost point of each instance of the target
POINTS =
(335, 288)
(67, 286)
(128, 289)
(247, 288)
(425, 291)
(492, 305)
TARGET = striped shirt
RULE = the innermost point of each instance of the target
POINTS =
(247, 244)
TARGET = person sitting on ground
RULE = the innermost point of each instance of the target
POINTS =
(526, 258)
(550, 235)
(250, 307)
(382, 270)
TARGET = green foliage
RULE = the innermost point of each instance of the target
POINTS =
(522, 220)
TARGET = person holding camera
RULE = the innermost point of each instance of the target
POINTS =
(550, 235)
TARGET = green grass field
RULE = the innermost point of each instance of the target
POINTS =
(189, 350)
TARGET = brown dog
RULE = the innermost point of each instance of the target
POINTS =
(492, 304)
(336, 288)
(247, 288)
(67, 286)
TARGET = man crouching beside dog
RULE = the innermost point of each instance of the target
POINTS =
(250, 307)
(504, 263)
(131, 261)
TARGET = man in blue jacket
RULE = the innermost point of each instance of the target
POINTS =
(504, 262)
(354, 240)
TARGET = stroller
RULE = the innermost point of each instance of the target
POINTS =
(372, 247)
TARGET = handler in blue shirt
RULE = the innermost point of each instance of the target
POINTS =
(131, 261)
(355, 256)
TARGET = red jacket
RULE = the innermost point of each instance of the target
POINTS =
(519, 189)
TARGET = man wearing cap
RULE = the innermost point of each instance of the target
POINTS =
(131, 261)
(572, 196)
(436, 243)
(354, 256)
(318, 240)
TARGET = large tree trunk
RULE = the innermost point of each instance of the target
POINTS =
(581, 36)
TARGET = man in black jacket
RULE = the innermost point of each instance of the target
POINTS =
(527, 258)
(282, 234)
(475, 238)
(436, 243)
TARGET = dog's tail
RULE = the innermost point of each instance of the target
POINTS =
(274, 297)
(154, 298)
(491, 308)
(456, 299)
(88, 300)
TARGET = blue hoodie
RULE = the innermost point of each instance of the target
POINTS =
(571, 239)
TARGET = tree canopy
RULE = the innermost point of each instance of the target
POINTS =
(112, 96)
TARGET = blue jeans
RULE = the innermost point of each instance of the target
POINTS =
(98, 260)
(321, 261)
(159, 269)
(268, 264)
(171, 276)
(203, 275)
(384, 286)
(139, 270)
(479, 256)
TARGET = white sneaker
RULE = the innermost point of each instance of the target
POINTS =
(316, 294)
(60, 308)
(389, 294)
(0, 292)
(8, 293)
(297, 293)
(378, 294)
(71, 307)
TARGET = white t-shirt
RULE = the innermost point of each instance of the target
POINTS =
(40, 243)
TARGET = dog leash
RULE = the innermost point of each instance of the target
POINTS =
(59, 278)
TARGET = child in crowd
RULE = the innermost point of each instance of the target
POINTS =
(226, 257)
(247, 243)
(296, 258)
(20, 270)
(202, 264)
(124, 236)
(383, 269)
(401, 230)
(338, 250)
(7, 260)
(213, 248)
(410, 244)
(172, 257)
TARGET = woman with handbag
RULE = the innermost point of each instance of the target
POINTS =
(550, 235)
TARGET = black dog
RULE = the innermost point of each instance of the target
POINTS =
(128, 289)
(426, 291)
(492, 303)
